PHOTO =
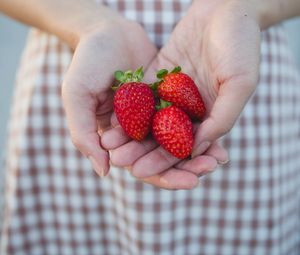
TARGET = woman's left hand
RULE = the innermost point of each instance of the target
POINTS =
(218, 44)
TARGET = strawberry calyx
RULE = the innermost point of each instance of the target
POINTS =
(154, 87)
(176, 69)
(128, 76)
(162, 104)
(163, 72)
(160, 75)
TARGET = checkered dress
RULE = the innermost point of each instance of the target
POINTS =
(55, 204)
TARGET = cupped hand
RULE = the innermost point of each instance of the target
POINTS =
(166, 171)
(86, 91)
(218, 44)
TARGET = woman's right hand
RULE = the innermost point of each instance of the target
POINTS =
(87, 95)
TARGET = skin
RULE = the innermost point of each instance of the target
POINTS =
(217, 43)
(223, 58)
(226, 75)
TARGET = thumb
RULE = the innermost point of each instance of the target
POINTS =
(80, 108)
(231, 99)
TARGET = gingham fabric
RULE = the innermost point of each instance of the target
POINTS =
(55, 204)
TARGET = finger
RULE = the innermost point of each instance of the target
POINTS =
(173, 179)
(198, 165)
(114, 138)
(127, 154)
(114, 121)
(80, 111)
(230, 102)
(215, 149)
(155, 162)
(218, 152)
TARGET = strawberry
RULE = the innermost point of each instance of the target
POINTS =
(179, 89)
(172, 129)
(134, 104)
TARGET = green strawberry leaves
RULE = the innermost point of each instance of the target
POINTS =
(162, 73)
(139, 74)
(129, 76)
(162, 104)
(176, 69)
(155, 85)
(120, 76)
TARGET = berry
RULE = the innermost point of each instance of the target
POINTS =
(134, 104)
(179, 89)
(173, 130)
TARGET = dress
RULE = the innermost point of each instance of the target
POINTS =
(55, 204)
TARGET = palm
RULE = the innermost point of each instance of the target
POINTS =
(87, 93)
(219, 48)
(95, 60)
(215, 52)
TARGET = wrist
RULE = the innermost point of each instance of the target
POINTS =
(266, 12)
(270, 12)
(88, 21)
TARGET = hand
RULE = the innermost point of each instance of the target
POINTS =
(172, 172)
(177, 174)
(220, 48)
(86, 91)
(218, 44)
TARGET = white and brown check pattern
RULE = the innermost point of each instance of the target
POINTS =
(55, 204)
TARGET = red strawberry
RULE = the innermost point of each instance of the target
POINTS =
(179, 89)
(172, 129)
(134, 104)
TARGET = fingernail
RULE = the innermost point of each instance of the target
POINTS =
(110, 157)
(223, 162)
(99, 170)
(200, 149)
